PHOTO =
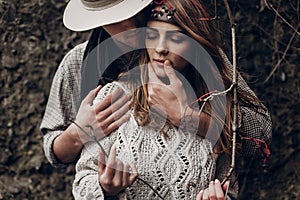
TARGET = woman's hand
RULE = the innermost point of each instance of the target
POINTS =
(214, 191)
(104, 116)
(169, 100)
(114, 175)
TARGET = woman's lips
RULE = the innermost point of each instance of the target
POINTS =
(158, 62)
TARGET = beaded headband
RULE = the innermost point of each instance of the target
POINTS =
(163, 11)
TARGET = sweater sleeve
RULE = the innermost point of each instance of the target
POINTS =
(86, 185)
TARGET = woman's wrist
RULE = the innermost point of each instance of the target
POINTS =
(189, 120)
(195, 122)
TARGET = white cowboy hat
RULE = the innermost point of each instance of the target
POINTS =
(82, 15)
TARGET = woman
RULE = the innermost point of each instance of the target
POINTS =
(149, 139)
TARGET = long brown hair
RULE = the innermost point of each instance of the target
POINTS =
(188, 17)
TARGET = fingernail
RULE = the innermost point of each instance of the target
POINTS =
(167, 62)
(217, 181)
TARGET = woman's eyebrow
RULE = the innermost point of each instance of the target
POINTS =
(167, 31)
(175, 31)
(152, 29)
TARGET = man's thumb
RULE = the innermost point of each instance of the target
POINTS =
(91, 95)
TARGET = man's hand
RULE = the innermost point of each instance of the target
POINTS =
(104, 116)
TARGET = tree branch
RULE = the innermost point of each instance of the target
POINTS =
(283, 56)
(271, 7)
(234, 83)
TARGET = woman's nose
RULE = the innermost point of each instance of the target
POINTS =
(161, 47)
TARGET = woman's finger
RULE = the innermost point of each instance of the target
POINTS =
(118, 175)
(133, 174)
(170, 72)
(212, 191)
(205, 194)
(199, 195)
(126, 175)
(219, 190)
(110, 165)
(225, 188)
(101, 162)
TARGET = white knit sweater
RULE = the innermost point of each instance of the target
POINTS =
(178, 166)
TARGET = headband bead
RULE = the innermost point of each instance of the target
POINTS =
(163, 12)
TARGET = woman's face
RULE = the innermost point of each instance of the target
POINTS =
(166, 41)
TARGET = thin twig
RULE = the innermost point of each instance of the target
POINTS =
(283, 56)
(270, 36)
(271, 7)
(234, 83)
(219, 93)
(211, 96)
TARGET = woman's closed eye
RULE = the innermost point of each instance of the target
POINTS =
(176, 37)
(151, 35)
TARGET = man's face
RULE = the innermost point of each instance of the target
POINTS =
(125, 33)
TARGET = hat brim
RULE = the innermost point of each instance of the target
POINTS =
(78, 18)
